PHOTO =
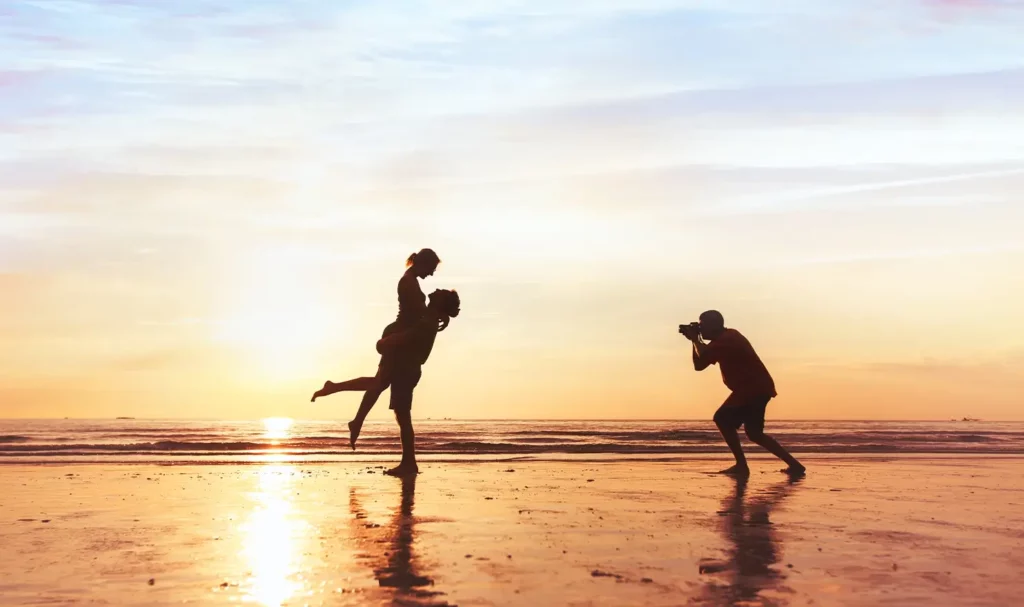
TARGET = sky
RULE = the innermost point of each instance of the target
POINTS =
(205, 207)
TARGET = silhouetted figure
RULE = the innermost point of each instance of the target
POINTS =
(751, 385)
(394, 562)
(406, 352)
(411, 348)
(411, 307)
(754, 547)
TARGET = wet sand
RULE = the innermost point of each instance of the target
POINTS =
(855, 531)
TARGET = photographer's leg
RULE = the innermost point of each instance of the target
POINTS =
(769, 443)
(727, 421)
(755, 432)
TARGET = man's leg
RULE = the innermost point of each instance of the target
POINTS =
(408, 439)
(727, 422)
(402, 387)
(408, 464)
(755, 432)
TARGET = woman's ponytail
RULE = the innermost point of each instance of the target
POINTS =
(423, 256)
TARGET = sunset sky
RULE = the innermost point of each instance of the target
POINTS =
(205, 206)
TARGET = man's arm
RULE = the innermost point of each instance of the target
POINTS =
(407, 336)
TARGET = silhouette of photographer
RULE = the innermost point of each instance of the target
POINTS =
(752, 387)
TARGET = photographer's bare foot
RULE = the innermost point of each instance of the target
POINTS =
(322, 391)
(353, 433)
(795, 471)
(736, 470)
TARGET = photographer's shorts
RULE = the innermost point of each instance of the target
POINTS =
(743, 410)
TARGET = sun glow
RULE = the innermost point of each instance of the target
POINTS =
(277, 427)
(275, 316)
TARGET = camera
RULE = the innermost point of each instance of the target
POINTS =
(690, 330)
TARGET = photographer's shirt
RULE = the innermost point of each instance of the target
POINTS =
(742, 370)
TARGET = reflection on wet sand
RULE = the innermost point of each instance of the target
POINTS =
(271, 535)
(755, 548)
(388, 550)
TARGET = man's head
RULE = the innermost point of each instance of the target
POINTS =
(711, 324)
(448, 305)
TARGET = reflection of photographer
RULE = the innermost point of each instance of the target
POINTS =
(748, 379)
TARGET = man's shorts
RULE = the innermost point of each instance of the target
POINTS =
(743, 410)
(404, 379)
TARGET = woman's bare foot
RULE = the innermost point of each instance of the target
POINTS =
(736, 470)
(404, 470)
(798, 470)
(353, 433)
(322, 391)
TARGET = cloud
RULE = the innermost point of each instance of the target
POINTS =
(585, 167)
(810, 198)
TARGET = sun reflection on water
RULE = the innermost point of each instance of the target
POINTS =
(276, 428)
(272, 534)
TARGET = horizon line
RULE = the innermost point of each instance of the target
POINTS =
(494, 419)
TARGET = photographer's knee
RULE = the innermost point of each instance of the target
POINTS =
(720, 418)
(754, 434)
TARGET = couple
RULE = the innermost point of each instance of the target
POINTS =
(404, 347)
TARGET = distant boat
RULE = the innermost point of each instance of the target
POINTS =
(124, 418)
(970, 419)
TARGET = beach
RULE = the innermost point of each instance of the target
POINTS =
(857, 530)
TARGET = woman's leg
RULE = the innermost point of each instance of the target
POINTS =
(359, 384)
(377, 383)
(381, 382)
(369, 400)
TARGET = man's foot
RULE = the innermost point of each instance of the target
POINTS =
(322, 391)
(404, 470)
(404, 580)
(353, 433)
(736, 470)
(794, 471)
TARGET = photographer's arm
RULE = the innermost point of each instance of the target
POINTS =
(700, 358)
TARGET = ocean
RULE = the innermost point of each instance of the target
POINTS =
(197, 441)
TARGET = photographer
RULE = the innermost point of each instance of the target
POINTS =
(748, 379)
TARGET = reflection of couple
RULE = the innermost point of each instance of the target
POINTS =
(404, 347)
(754, 547)
(396, 566)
